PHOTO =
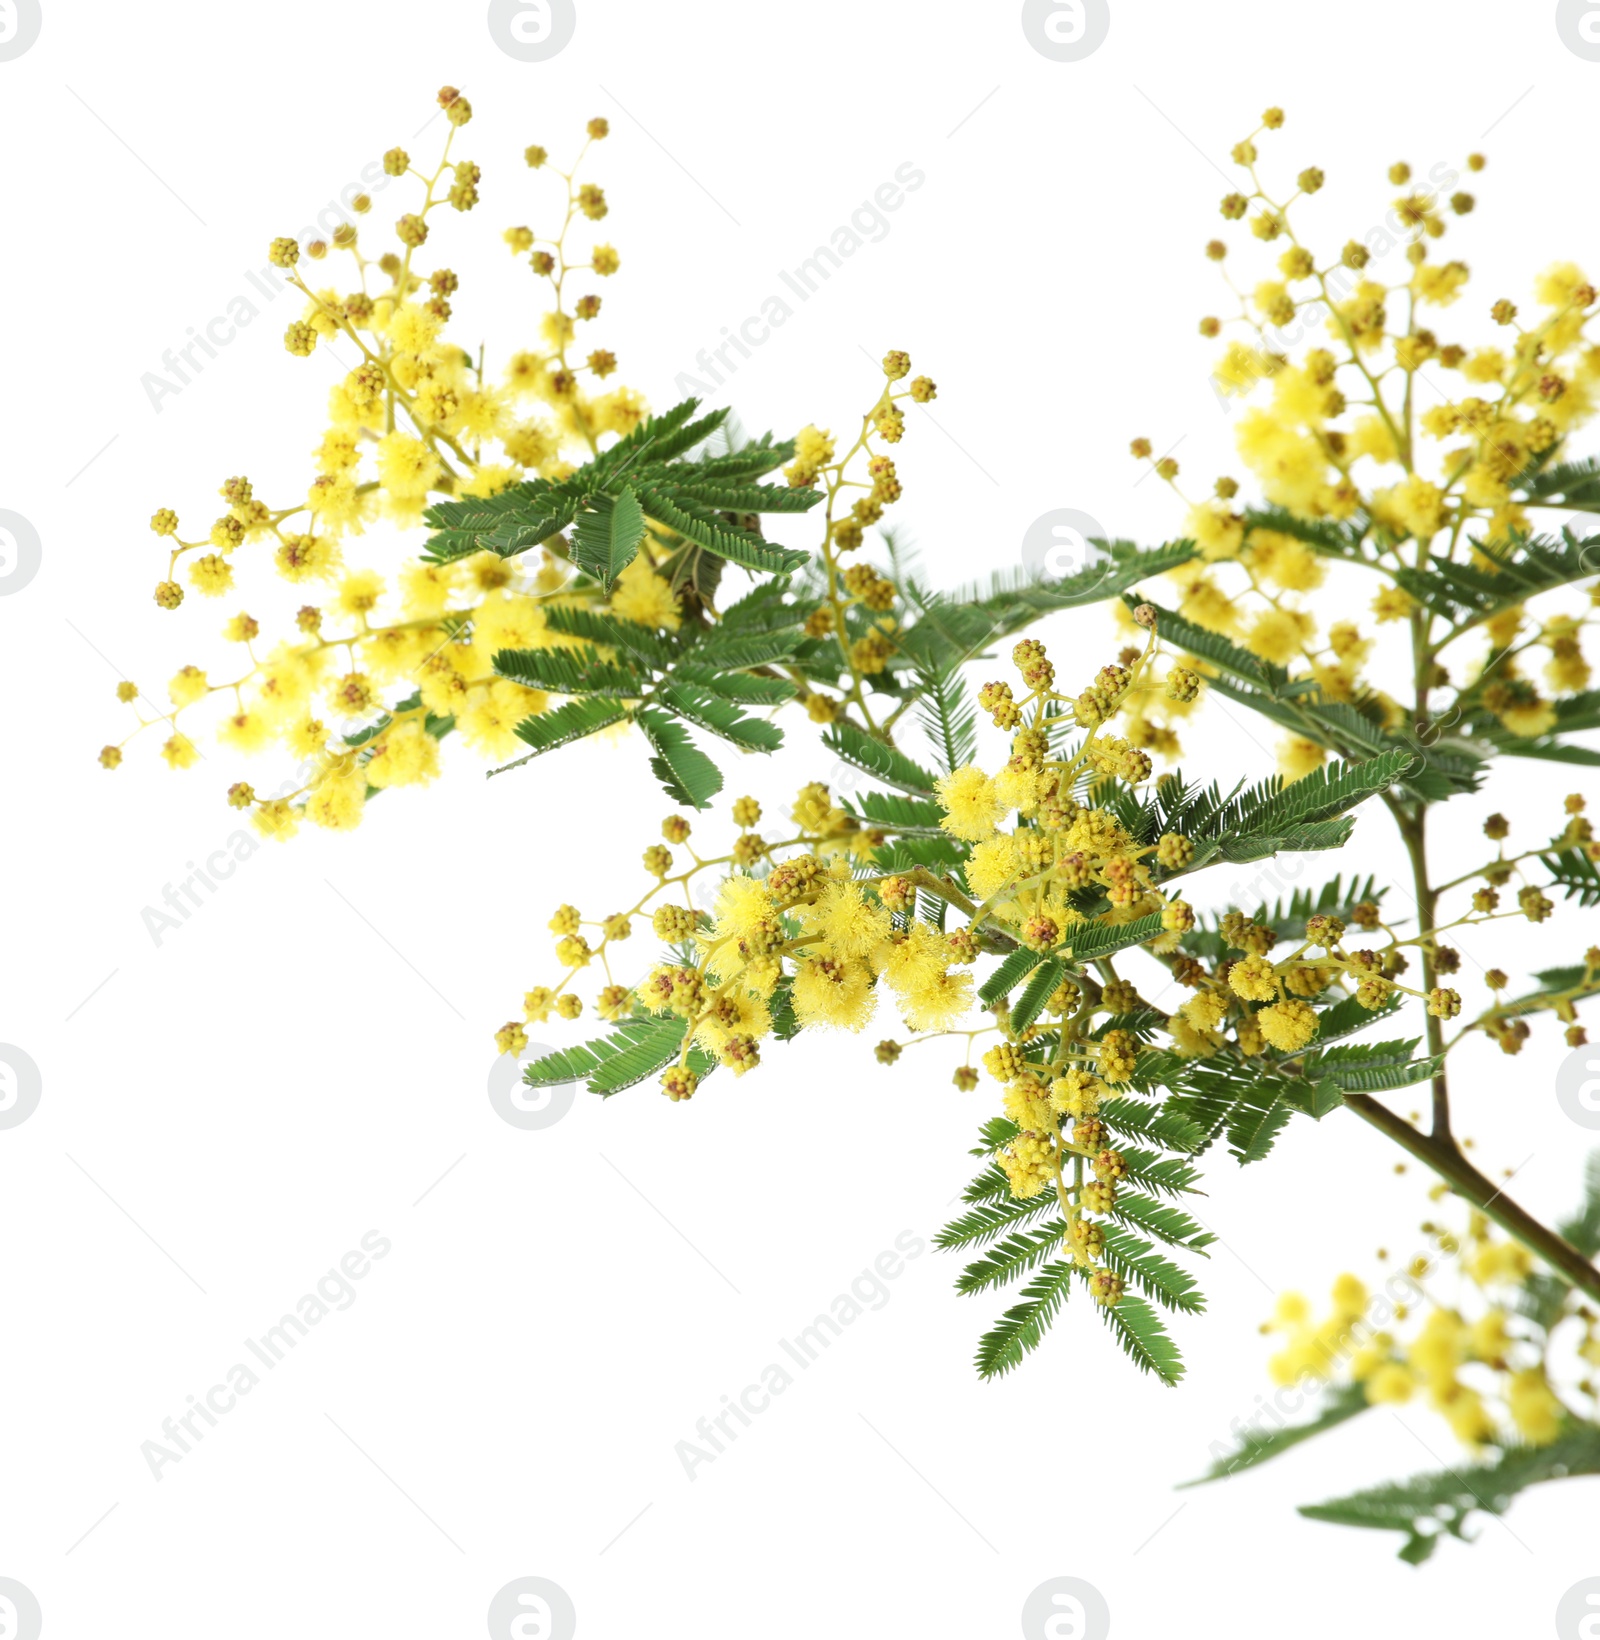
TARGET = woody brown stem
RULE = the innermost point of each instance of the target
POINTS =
(1445, 1158)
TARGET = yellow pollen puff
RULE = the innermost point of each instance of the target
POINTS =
(973, 808)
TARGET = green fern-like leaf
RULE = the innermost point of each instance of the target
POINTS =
(1258, 1445)
(608, 535)
(738, 546)
(1016, 1256)
(882, 762)
(744, 688)
(1022, 1328)
(575, 721)
(1169, 1129)
(1138, 1329)
(634, 1050)
(1371, 1067)
(1429, 1507)
(1137, 1262)
(737, 651)
(1041, 984)
(1260, 1114)
(1161, 1220)
(913, 816)
(1167, 1175)
(640, 646)
(1088, 942)
(509, 523)
(990, 1219)
(1575, 874)
(688, 775)
(1012, 971)
(579, 671)
(949, 720)
(720, 717)
(1015, 598)
(1220, 652)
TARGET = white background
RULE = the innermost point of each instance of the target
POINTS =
(227, 1114)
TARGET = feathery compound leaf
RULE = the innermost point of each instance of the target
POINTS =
(1428, 1506)
(1169, 1224)
(579, 671)
(654, 1044)
(1574, 484)
(944, 634)
(608, 536)
(1135, 1260)
(949, 720)
(1016, 598)
(1498, 577)
(913, 816)
(1347, 1017)
(1022, 1328)
(506, 524)
(1027, 1008)
(1320, 834)
(721, 717)
(738, 546)
(640, 646)
(1259, 1116)
(1138, 1329)
(1257, 1445)
(1440, 767)
(1375, 1067)
(1011, 972)
(726, 495)
(628, 1055)
(1554, 986)
(1169, 1129)
(991, 1219)
(1088, 942)
(1172, 1176)
(740, 650)
(884, 763)
(742, 687)
(1333, 540)
(1321, 795)
(564, 1065)
(688, 775)
(1575, 873)
(743, 462)
(766, 607)
(1228, 657)
(656, 439)
(574, 721)
(1015, 1256)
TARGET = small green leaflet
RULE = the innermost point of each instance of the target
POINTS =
(884, 763)
(608, 536)
(1011, 972)
(721, 717)
(574, 721)
(1257, 1445)
(636, 1049)
(1041, 986)
(687, 773)
(1085, 942)
(580, 671)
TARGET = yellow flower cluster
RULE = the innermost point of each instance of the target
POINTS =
(867, 641)
(791, 929)
(378, 665)
(1365, 407)
(1283, 982)
(1473, 1353)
